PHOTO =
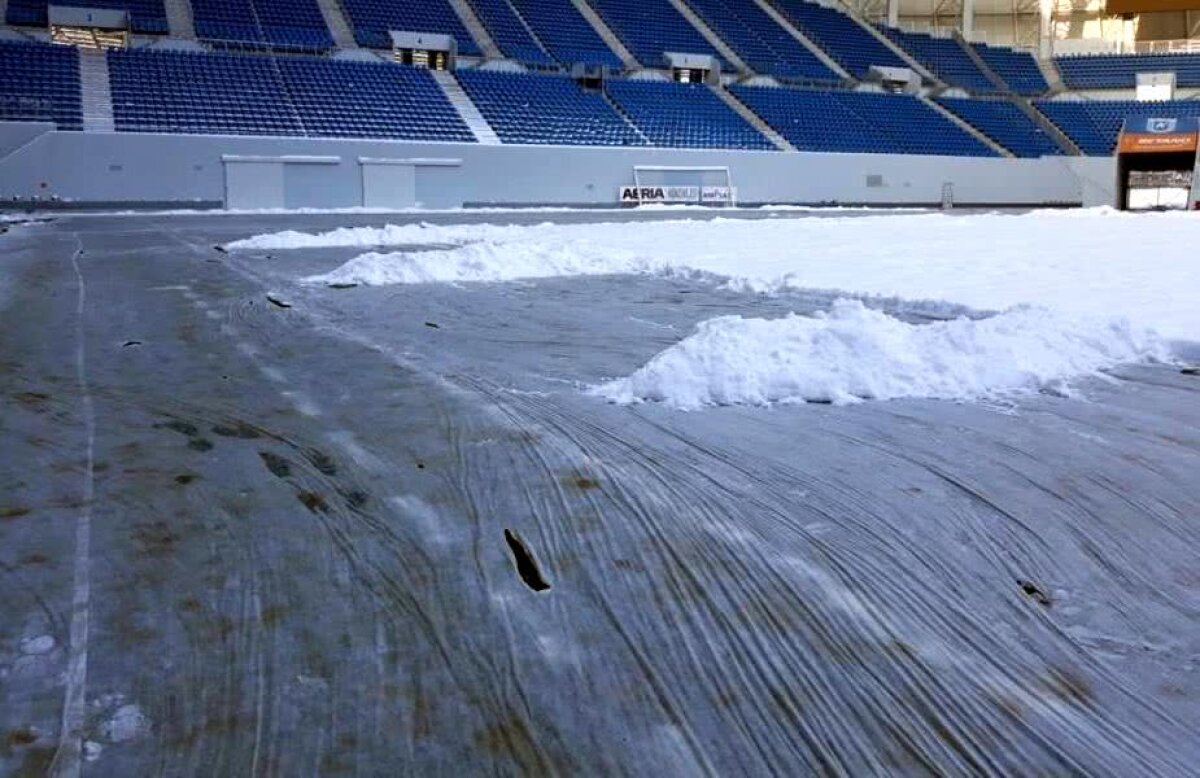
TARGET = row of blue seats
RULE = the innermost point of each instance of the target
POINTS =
(39, 82)
(1119, 71)
(1095, 125)
(262, 24)
(760, 42)
(859, 122)
(1005, 123)
(372, 19)
(844, 39)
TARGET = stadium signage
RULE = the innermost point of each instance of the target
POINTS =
(636, 195)
(1143, 135)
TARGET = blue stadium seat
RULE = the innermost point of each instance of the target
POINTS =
(262, 24)
(1018, 69)
(40, 82)
(372, 19)
(509, 33)
(1119, 71)
(545, 109)
(841, 37)
(147, 17)
(1095, 125)
(686, 116)
(945, 58)
(347, 99)
(201, 93)
(567, 36)
(1004, 123)
(648, 28)
(761, 42)
(859, 122)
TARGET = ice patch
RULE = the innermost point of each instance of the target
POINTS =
(853, 353)
(126, 723)
(43, 644)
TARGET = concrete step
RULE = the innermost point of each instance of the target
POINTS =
(474, 26)
(179, 18)
(771, 11)
(335, 20)
(606, 34)
(95, 91)
(470, 114)
(628, 119)
(754, 119)
(710, 35)
(993, 145)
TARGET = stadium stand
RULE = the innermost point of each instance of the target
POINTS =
(1004, 123)
(1095, 124)
(1119, 71)
(841, 37)
(273, 24)
(945, 58)
(147, 17)
(567, 36)
(546, 109)
(862, 122)
(40, 82)
(1018, 69)
(372, 19)
(650, 27)
(684, 116)
(760, 42)
(169, 91)
(506, 29)
(346, 99)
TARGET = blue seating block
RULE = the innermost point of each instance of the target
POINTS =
(567, 36)
(1119, 71)
(1004, 123)
(648, 28)
(1018, 69)
(684, 116)
(372, 19)
(945, 58)
(1095, 125)
(854, 48)
(40, 82)
(760, 41)
(509, 32)
(859, 122)
(551, 110)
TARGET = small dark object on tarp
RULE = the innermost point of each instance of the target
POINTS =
(1191, 371)
(278, 302)
(343, 286)
(220, 248)
(1035, 593)
(129, 343)
(433, 325)
(527, 566)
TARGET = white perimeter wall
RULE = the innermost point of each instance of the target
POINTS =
(143, 168)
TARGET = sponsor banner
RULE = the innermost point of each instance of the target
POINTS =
(660, 194)
(1145, 134)
(717, 194)
(1136, 143)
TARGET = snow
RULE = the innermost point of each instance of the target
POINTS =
(1093, 262)
(126, 723)
(42, 644)
(853, 353)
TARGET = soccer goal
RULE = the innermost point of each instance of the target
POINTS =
(690, 184)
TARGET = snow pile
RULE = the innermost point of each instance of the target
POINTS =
(853, 353)
(485, 261)
(1090, 263)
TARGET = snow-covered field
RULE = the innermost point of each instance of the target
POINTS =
(1094, 287)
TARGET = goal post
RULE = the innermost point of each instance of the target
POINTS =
(680, 184)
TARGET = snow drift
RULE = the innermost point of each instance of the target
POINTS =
(1092, 263)
(853, 353)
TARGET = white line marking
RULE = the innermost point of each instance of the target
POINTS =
(66, 761)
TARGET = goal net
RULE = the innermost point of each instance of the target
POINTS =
(690, 184)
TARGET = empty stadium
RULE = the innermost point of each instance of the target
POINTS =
(540, 387)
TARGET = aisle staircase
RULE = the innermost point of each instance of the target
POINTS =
(606, 34)
(474, 26)
(335, 20)
(95, 91)
(180, 21)
(470, 114)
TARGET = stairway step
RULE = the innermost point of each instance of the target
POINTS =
(467, 109)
